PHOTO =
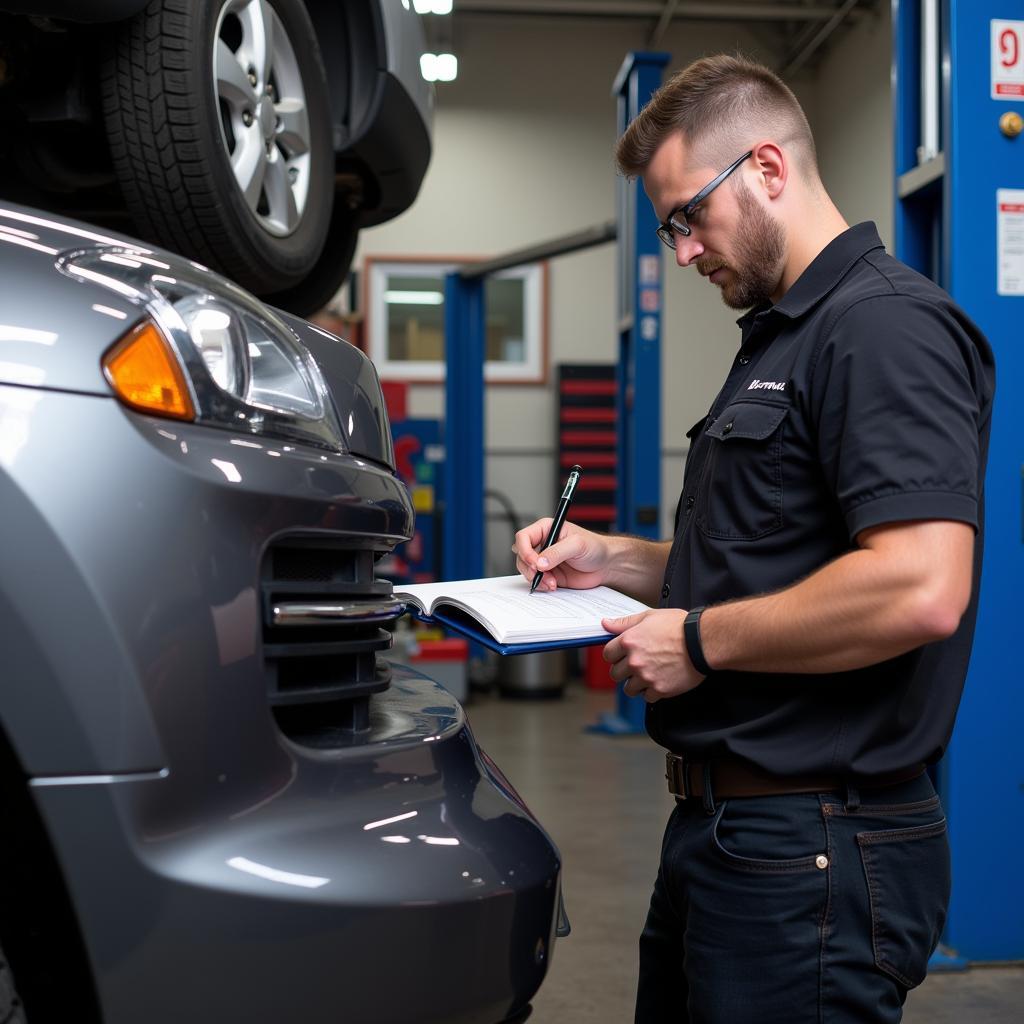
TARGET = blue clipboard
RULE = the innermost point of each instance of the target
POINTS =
(473, 631)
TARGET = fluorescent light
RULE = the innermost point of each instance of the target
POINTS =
(439, 67)
(252, 867)
(228, 469)
(389, 821)
(11, 332)
(447, 67)
(413, 298)
(431, 6)
(117, 314)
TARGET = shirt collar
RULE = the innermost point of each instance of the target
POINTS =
(828, 268)
(825, 271)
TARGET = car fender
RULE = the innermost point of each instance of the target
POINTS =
(72, 707)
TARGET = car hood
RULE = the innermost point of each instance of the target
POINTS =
(55, 329)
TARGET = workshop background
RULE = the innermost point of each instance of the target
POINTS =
(523, 152)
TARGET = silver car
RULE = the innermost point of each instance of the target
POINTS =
(220, 801)
(257, 136)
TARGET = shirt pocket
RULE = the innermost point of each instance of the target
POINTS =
(741, 490)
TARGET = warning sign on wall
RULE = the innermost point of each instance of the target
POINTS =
(1010, 240)
(1007, 60)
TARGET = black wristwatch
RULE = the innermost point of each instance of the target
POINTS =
(691, 637)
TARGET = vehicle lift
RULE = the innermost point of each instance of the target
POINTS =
(958, 72)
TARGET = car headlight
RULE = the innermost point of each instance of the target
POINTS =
(243, 367)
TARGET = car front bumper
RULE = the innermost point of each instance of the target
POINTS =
(219, 869)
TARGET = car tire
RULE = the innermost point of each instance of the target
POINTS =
(322, 283)
(11, 1010)
(203, 97)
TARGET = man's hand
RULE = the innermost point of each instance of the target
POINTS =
(649, 653)
(579, 560)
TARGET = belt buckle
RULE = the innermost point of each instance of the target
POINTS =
(678, 776)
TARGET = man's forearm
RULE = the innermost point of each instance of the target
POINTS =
(638, 566)
(863, 608)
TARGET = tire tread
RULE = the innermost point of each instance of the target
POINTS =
(11, 1009)
(155, 129)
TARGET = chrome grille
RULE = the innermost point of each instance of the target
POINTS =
(325, 617)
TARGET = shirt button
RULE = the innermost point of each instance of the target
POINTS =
(727, 427)
(666, 590)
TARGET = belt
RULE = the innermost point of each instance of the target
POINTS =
(732, 778)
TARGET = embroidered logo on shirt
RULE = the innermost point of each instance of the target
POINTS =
(766, 385)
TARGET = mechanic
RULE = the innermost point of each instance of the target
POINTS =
(817, 604)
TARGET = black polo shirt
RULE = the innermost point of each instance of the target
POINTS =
(862, 397)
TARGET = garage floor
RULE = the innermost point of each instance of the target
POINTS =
(604, 802)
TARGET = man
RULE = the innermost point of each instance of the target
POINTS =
(817, 602)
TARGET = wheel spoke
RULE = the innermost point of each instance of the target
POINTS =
(249, 164)
(232, 82)
(280, 198)
(257, 20)
(293, 126)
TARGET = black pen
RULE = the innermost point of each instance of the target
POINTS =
(563, 509)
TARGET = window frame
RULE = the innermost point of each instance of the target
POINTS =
(533, 369)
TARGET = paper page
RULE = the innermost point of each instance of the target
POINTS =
(512, 614)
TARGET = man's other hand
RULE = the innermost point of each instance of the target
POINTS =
(649, 654)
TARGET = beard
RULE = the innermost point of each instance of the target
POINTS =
(755, 277)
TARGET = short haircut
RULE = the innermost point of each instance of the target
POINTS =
(721, 105)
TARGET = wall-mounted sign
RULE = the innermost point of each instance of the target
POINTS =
(1007, 60)
(1010, 240)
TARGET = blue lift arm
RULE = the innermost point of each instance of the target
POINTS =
(947, 226)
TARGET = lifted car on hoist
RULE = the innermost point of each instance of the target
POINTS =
(255, 136)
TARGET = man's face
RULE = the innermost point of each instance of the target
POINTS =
(734, 242)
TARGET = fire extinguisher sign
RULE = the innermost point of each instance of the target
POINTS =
(1007, 60)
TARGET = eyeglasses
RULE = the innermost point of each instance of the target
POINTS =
(676, 223)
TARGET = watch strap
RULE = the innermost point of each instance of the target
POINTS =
(691, 637)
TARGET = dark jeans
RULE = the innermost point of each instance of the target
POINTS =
(808, 908)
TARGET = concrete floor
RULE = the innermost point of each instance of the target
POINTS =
(604, 802)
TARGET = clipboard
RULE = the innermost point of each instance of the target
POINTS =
(470, 629)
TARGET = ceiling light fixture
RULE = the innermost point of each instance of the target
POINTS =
(439, 67)
(431, 6)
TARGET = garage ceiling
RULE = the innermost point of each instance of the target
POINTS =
(797, 29)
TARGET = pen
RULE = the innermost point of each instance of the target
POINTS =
(563, 509)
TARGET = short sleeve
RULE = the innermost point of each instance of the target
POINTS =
(896, 394)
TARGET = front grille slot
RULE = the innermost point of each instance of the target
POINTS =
(325, 618)
(315, 565)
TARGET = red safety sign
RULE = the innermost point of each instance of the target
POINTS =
(1007, 60)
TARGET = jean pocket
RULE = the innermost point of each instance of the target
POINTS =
(768, 836)
(908, 878)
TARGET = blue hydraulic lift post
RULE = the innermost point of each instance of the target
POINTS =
(639, 261)
(956, 217)
(638, 393)
(463, 555)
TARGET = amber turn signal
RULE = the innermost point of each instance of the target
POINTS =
(145, 374)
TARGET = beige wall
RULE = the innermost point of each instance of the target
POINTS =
(523, 143)
(853, 124)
